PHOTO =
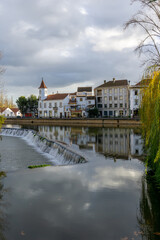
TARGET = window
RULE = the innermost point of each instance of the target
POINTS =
(136, 92)
(105, 113)
(40, 91)
(45, 105)
(120, 97)
(99, 105)
(105, 99)
(121, 105)
(110, 98)
(105, 105)
(81, 99)
(105, 91)
(125, 105)
(136, 101)
(110, 105)
(40, 105)
(115, 91)
(50, 105)
(110, 91)
(121, 114)
(55, 104)
(115, 105)
(110, 113)
(89, 102)
(99, 92)
(60, 104)
(115, 98)
(121, 90)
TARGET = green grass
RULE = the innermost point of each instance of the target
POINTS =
(38, 166)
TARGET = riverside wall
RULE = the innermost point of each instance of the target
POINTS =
(89, 122)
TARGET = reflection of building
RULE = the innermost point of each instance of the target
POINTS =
(119, 143)
(112, 98)
(114, 142)
(136, 144)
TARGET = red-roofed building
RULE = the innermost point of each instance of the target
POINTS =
(63, 105)
(10, 112)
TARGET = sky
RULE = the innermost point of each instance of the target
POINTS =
(69, 43)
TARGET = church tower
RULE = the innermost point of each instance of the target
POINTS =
(42, 91)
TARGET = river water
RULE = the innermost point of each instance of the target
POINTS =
(108, 197)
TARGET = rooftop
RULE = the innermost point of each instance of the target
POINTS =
(114, 83)
(43, 85)
(57, 96)
(84, 89)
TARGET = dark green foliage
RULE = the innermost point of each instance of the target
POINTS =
(93, 112)
(29, 104)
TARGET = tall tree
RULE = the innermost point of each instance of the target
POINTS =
(22, 104)
(33, 104)
(148, 20)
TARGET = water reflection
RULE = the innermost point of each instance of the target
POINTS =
(118, 143)
(2, 208)
(149, 215)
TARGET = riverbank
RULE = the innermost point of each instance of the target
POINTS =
(89, 122)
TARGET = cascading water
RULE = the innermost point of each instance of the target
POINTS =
(60, 153)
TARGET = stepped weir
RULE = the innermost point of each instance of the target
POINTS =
(61, 153)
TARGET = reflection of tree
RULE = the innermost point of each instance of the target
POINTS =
(149, 215)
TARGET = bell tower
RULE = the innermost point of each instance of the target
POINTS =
(42, 91)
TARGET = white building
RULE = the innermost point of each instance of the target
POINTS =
(81, 101)
(136, 96)
(10, 112)
(55, 105)
(65, 104)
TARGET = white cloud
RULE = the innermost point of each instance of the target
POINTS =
(109, 39)
(83, 11)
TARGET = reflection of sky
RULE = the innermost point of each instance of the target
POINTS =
(78, 202)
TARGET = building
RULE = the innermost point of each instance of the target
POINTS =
(10, 112)
(136, 96)
(62, 105)
(112, 98)
(55, 105)
(81, 101)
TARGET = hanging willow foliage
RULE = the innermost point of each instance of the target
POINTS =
(150, 117)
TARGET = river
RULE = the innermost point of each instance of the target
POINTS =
(108, 197)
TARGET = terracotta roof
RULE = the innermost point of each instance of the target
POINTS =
(57, 96)
(42, 85)
(84, 89)
(15, 110)
(3, 109)
(143, 82)
(114, 83)
(73, 93)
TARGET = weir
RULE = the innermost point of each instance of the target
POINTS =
(62, 154)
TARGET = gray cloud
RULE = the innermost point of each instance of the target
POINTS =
(66, 42)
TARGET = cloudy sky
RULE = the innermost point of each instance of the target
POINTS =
(69, 43)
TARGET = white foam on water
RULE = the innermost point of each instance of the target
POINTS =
(58, 153)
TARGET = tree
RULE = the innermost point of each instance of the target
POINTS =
(150, 118)
(22, 104)
(148, 19)
(33, 104)
(93, 112)
(28, 105)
